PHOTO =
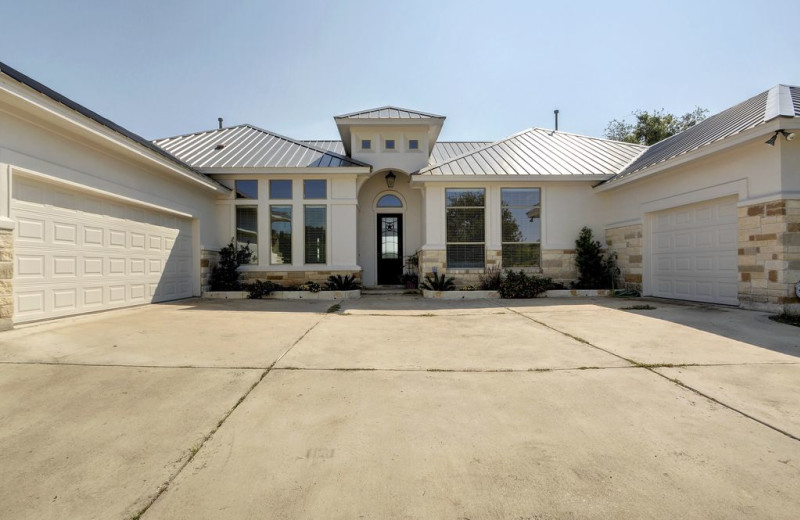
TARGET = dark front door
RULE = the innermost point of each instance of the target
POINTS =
(390, 248)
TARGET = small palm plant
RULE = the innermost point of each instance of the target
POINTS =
(347, 282)
(439, 283)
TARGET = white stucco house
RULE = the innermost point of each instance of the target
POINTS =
(94, 217)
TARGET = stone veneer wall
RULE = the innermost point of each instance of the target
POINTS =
(558, 264)
(769, 255)
(6, 279)
(208, 259)
(294, 278)
(626, 242)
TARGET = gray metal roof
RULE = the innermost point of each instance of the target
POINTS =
(246, 146)
(779, 101)
(541, 152)
(388, 112)
(442, 151)
(329, 145)
(446, 150)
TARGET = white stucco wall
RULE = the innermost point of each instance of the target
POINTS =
(790, 165)
(401, 158)
(372, 190)
(752, 171)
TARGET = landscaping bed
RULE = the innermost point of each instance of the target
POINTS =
(479, 295)
(287, 295)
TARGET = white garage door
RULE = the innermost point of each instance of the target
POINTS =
(694, 252)
(78, 253)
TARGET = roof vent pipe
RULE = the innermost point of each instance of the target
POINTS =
(220, 122)
(556, 114)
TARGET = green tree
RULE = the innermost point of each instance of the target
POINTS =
(594, 268)
(652, 127)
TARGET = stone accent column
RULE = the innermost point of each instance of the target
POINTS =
(769, 255)
(559, 264)
(6, 279)
(6, 250)
(430, 259)
(626, 242)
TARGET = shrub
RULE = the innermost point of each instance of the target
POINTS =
(595, 270)
(259, 289)
(310, 286)
(338, 282)
(520, 285)
(410, 280)
(225, 275)
(439, 283)
(491, 279)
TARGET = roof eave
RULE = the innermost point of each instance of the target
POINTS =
(77, 115)
(537, 178)
(288, 170)
(751, 134)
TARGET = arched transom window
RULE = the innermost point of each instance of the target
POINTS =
(390, 201)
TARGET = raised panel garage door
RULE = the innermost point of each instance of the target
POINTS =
(76, 253)
(694, 252)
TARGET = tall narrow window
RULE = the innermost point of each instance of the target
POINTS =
(315, 234)
(522, 227)
(466, 229)
(281, 224)
(247, 229)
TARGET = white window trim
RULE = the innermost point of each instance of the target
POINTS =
(485, 207)
(541, 219)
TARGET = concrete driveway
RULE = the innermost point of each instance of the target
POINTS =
(402, 408)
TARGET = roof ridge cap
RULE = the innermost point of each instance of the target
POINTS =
(584, 136)
(310, 147)
(200, 132)
(392, 107)
(779, 102)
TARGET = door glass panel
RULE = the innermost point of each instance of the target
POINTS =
(390, 245)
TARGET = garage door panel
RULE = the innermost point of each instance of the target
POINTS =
(77, 253)
(92, 296)
(701, 262)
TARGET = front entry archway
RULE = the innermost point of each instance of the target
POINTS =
(390, 248)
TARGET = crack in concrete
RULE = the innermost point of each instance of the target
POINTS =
(652, 369)
(194, 450)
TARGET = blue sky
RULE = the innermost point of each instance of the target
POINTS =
(162, 68)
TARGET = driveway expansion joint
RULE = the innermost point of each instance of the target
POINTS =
(651, 367)
(194, 450)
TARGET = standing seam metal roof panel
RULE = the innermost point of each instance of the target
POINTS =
(247, 146)
(542, 152)
(747, 114)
